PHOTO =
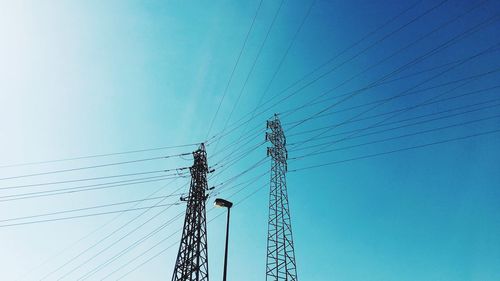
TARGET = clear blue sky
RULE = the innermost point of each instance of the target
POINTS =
(81, 78)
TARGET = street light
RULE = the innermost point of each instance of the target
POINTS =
(225, 204)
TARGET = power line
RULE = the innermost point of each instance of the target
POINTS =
(380, 84)
(96, 155)
(148, 250)
(173, 244)
(365, 50)
(106, 237)
(415, 106)
(130, 247)
(71, 190)
(240, 122)
(87, 215)
(238, 158)
(493, 71)
(116, 241)
(404, 48)
(283, 58)
(225, 183)
(396, 150)
(170, 246)
(163, 240)
(88, 208)
(401, 110)
(96, 230)
(232, 144)
(99, 166)
(416, 60)
(395, 111)
(398, 137)
(230, 180)
(258, 129)
(251, 68)
(222, 187)
(465, 79)
(234, 154)
(404, 110)
(234, 68)
(409, 93)
(259, 163)
(85, 179)
(413, 87)
(397, 127)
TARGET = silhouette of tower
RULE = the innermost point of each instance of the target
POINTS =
(192, 259)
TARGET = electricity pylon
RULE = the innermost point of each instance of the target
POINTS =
(280, 263)
(192, 259)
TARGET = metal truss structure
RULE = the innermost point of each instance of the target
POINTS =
(192, 259)
(280, 263)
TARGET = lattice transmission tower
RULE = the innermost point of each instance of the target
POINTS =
(192, 259)
(280, 263)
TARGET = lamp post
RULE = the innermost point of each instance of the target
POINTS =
(225, 204)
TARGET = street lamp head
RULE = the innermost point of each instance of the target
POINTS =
(223, 203)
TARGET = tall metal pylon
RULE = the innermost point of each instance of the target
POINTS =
(192, 259)
(280, 263)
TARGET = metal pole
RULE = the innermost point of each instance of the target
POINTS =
(227, 242)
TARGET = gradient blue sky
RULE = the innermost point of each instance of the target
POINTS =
(88, 77)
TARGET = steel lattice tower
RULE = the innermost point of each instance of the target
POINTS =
(192, 259)
(280, 249)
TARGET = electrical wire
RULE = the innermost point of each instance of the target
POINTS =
(102, 265)
(71, 190)
(130, 247)
(234, 69)
(116, 241)
(397, 127)
(148, 250)
(240, 122)
(418, 59)
(166, 238)
(392, 55)
(175, 243)
(89, 234)
(163, 240)
(395, 111)
(398, 137)
(258, 129)
(361, 52)
(87, 208)
(96, 155)
(99, 166)
(472, 77)
(410, 107)
(86, 250)
(83, 179)
(396, 150)
(254, 63)
(466, 79)
(86, 215)
(237, 158)
(409, 89)
(237, 142)
(282, 60)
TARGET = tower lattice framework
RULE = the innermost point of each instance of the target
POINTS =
(192, 259)
(280, 263)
